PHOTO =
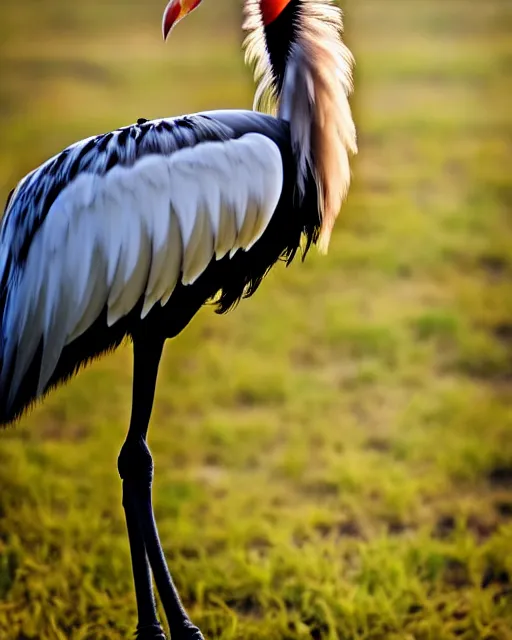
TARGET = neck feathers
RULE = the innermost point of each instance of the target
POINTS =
(304, 74)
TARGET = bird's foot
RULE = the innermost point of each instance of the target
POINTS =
(155, 632)
(152, 632)
(190, 632)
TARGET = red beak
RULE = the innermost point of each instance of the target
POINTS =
(172, 13)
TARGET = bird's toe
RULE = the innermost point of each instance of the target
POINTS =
(191, 633)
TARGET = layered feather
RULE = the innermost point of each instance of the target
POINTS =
(313, 98)
(133, 233)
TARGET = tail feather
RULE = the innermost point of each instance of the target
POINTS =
(93, 343)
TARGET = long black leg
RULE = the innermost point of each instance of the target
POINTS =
(179, 623)
(148, 627)
(136, 469)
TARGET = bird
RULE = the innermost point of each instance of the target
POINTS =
(127, 234)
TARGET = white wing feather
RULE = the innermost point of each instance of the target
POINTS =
(132, 233)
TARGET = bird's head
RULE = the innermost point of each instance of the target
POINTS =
(175, 11)
(178, 9)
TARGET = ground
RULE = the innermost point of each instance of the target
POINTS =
(333, 458)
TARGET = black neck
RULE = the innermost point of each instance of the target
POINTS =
(280, 35)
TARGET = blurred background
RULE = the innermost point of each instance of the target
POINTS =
(333, 458)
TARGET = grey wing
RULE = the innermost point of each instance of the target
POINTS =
(131, 231)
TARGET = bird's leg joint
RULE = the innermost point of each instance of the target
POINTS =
(135, 464)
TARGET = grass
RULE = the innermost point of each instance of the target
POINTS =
(334, 458)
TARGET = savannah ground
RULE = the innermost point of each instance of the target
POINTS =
(334, 458)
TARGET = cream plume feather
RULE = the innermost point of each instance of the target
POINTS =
(313, 99)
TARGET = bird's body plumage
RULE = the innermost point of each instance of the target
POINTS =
(110, 235)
